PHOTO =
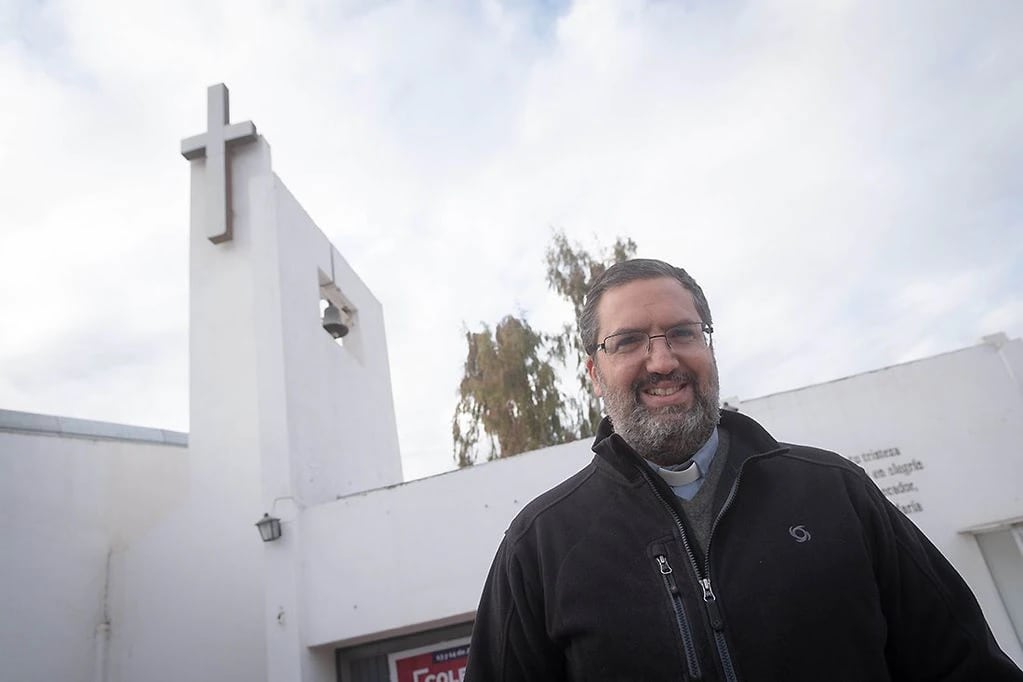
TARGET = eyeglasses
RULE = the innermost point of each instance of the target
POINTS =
(681, 337)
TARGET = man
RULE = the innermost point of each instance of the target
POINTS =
(697, 547)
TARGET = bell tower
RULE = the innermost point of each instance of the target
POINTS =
(287, 344)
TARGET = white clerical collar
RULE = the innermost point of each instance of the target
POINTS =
(679, 477)
(695, 469)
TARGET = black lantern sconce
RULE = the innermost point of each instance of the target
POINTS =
(269, 528)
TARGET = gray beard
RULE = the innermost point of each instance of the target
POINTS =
(669, 435)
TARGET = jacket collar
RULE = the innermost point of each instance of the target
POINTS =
(748, 438)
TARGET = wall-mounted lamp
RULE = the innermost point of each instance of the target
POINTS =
(269, 528)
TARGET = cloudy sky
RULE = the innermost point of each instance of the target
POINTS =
(844, 178)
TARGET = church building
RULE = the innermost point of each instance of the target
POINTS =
(134, 553)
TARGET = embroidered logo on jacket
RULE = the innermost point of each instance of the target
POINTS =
(800, 533)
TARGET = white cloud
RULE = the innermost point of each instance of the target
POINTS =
(843, 180)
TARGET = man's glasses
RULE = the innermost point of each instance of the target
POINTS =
(680, 338)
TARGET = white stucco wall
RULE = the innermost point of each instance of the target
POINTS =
(189, 598)
(414, 555)
(342, 435)
(73, 504)
(326, 417)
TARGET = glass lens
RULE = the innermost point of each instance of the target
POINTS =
(628, 342)
(682, 334)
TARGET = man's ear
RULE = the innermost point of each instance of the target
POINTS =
(591, 369)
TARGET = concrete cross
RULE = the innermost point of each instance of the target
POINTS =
(214, 144)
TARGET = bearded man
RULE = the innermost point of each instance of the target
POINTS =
(697, 547)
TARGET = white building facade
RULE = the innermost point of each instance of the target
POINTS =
(131, 552)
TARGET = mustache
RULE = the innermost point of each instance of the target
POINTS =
(653, 378)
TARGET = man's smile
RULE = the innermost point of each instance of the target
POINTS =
(665, 391)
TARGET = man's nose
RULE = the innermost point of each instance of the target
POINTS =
(661, 359)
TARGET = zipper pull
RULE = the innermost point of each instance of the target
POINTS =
(711, 603)
(666, 571)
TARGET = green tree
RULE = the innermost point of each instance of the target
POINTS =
(570, 270)
(509, 393)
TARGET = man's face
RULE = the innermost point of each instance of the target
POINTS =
(663, 403)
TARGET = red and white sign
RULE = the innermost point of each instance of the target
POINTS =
(441, 662)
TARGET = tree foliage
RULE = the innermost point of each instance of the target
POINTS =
(509, 394)
(510, 391)
(570, 270)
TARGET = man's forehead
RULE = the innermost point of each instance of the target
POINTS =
(638, 301)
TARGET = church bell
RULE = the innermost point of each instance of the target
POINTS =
(333, 323)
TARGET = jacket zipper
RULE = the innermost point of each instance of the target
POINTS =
(709, 598)
(680, 617)
(716, 622)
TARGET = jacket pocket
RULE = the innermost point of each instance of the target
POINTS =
(684, 629)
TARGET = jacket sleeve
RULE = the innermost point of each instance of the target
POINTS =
(936, 630)
(510, 641)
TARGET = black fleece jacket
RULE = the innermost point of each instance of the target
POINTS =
(812, 575)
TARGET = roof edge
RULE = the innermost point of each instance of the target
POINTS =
(12, 421)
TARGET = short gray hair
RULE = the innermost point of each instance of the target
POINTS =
(630, 271)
